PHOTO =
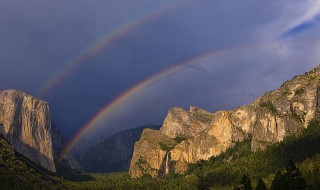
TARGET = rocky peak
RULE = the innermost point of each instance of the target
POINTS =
(26, 123)
(185, 123)
(196, 134)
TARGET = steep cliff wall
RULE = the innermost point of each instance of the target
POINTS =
(26, 124)
(149, 153)
(113, 154)
(199, 134)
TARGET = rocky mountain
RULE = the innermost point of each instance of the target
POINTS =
(18, 172)
(189, 136)
(113, 154)
(25, 122)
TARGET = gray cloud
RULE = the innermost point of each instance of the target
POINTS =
(38, 37)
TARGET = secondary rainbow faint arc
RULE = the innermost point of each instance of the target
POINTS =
(102, 42)
(108, 108)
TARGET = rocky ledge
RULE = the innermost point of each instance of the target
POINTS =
(189, 136)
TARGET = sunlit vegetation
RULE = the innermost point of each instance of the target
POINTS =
(225, 170)
(287, 93)
(168, 145)
(268, 106)
(121, 181)
(236, 168)
(297, 117)
(299, 91)
(16, 174)
(296, 160)
(180, 138)
(204, 117)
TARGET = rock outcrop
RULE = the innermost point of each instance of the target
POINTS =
(25, 122)
(196, 134)
(69, 165)
(113, 154)
(186, 123)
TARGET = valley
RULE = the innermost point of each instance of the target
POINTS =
(276, 134)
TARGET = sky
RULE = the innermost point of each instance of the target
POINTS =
(142, 57)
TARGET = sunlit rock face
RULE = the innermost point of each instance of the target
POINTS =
(26, 124)
(186, 123)
(148, 154)
(196, 134)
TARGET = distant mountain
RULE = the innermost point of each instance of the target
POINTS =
(189, 136)
(113, 154)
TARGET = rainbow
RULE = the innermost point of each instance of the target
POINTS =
(125, 96)
(102, 42)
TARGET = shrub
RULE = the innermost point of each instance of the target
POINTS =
(299, 91)
(167, 146)
(268, 105)
(180, 138)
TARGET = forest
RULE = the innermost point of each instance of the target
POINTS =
(293, 163)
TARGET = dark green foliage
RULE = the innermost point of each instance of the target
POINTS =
(297, 117)
(245, 183)
(261, 184)
(167, 146)
(222, 171)
(180, 138)
(268, 105)
(291, 179)
(202, 182)
(122, 181)
(278, 182)
(204, 117)
(294, 178)
(311, 170)
(299, 91)
(17, 174)
(286, 92)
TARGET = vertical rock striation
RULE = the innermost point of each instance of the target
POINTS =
(197, 134)
(26, 123)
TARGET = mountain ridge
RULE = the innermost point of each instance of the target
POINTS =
(112, 154)
(268, 119)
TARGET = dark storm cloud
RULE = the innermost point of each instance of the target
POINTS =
(38, 37)
(264, 67)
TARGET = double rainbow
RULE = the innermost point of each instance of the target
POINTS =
(103, 42)
(148, 82)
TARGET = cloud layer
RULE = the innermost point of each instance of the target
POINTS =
(263, 43)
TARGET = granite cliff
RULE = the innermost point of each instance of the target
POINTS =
(189, 136)
(25, 122)
(112, 154)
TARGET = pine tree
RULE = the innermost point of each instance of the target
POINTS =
(245, 183)
(314, 181)
(202, 182)
(278, 182)
(294, 178)
(261, 185)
